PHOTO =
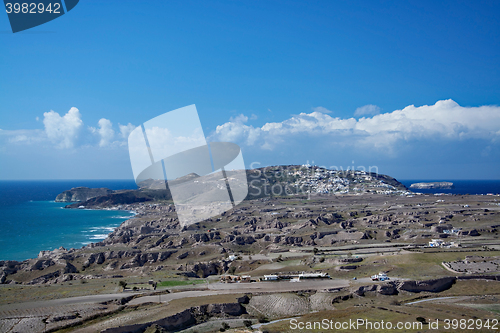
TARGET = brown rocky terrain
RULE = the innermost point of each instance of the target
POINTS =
(348, 235)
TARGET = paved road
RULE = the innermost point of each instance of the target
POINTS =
(213, 289)
(239, 288)
(64, 301)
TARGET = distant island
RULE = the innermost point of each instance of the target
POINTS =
(432, 185)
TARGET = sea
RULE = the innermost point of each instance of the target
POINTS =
(31, 221)
(459, 186)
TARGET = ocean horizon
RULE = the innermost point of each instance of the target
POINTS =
(461, 186)
(31, 221)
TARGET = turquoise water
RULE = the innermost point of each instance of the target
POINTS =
(28, 227)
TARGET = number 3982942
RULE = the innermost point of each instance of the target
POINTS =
(32, 8)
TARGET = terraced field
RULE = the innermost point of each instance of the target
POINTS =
(286, 304)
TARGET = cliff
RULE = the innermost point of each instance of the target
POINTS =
(78, 194)
(123, 197)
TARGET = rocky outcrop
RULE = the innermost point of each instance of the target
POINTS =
(231, 309)
(184, 319)
(243, 299)
(387, 289)
(42, 264)
(206, 269)
(393, 288)
(140, 259)
(360, 291)
(78, 194)
(474, 232)
(45, 278)
(347, 260)
(205, 237)
(70, 268)
(479, 277)
(348, 268)
(440, 228)
(434, 286)
(93, 258)
(183, 255)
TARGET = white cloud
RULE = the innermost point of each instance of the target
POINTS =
(125, 130)
(321, 109)
(63, 131)
(239, 119)
(164, 142)
(443, 120)
(22, 136)
(235, 131)
(105, 131)
(369, 109)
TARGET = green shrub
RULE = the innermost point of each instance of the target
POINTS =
(262, 319)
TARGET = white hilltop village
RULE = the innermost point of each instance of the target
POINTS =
(318, 180)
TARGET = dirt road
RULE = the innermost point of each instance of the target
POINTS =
(238, 288)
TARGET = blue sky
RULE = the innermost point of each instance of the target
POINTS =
(331, 82)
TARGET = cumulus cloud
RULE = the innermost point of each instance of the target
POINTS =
(125, 130)
(105, 132)
(63, 131)
(443, 120)
(164, 142)
(369, 110)
(236, 131)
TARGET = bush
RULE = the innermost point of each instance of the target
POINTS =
(224, 327)
(247, 323)
(262, 319)
(122, 284)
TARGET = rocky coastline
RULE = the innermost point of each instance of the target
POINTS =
(364, 225)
